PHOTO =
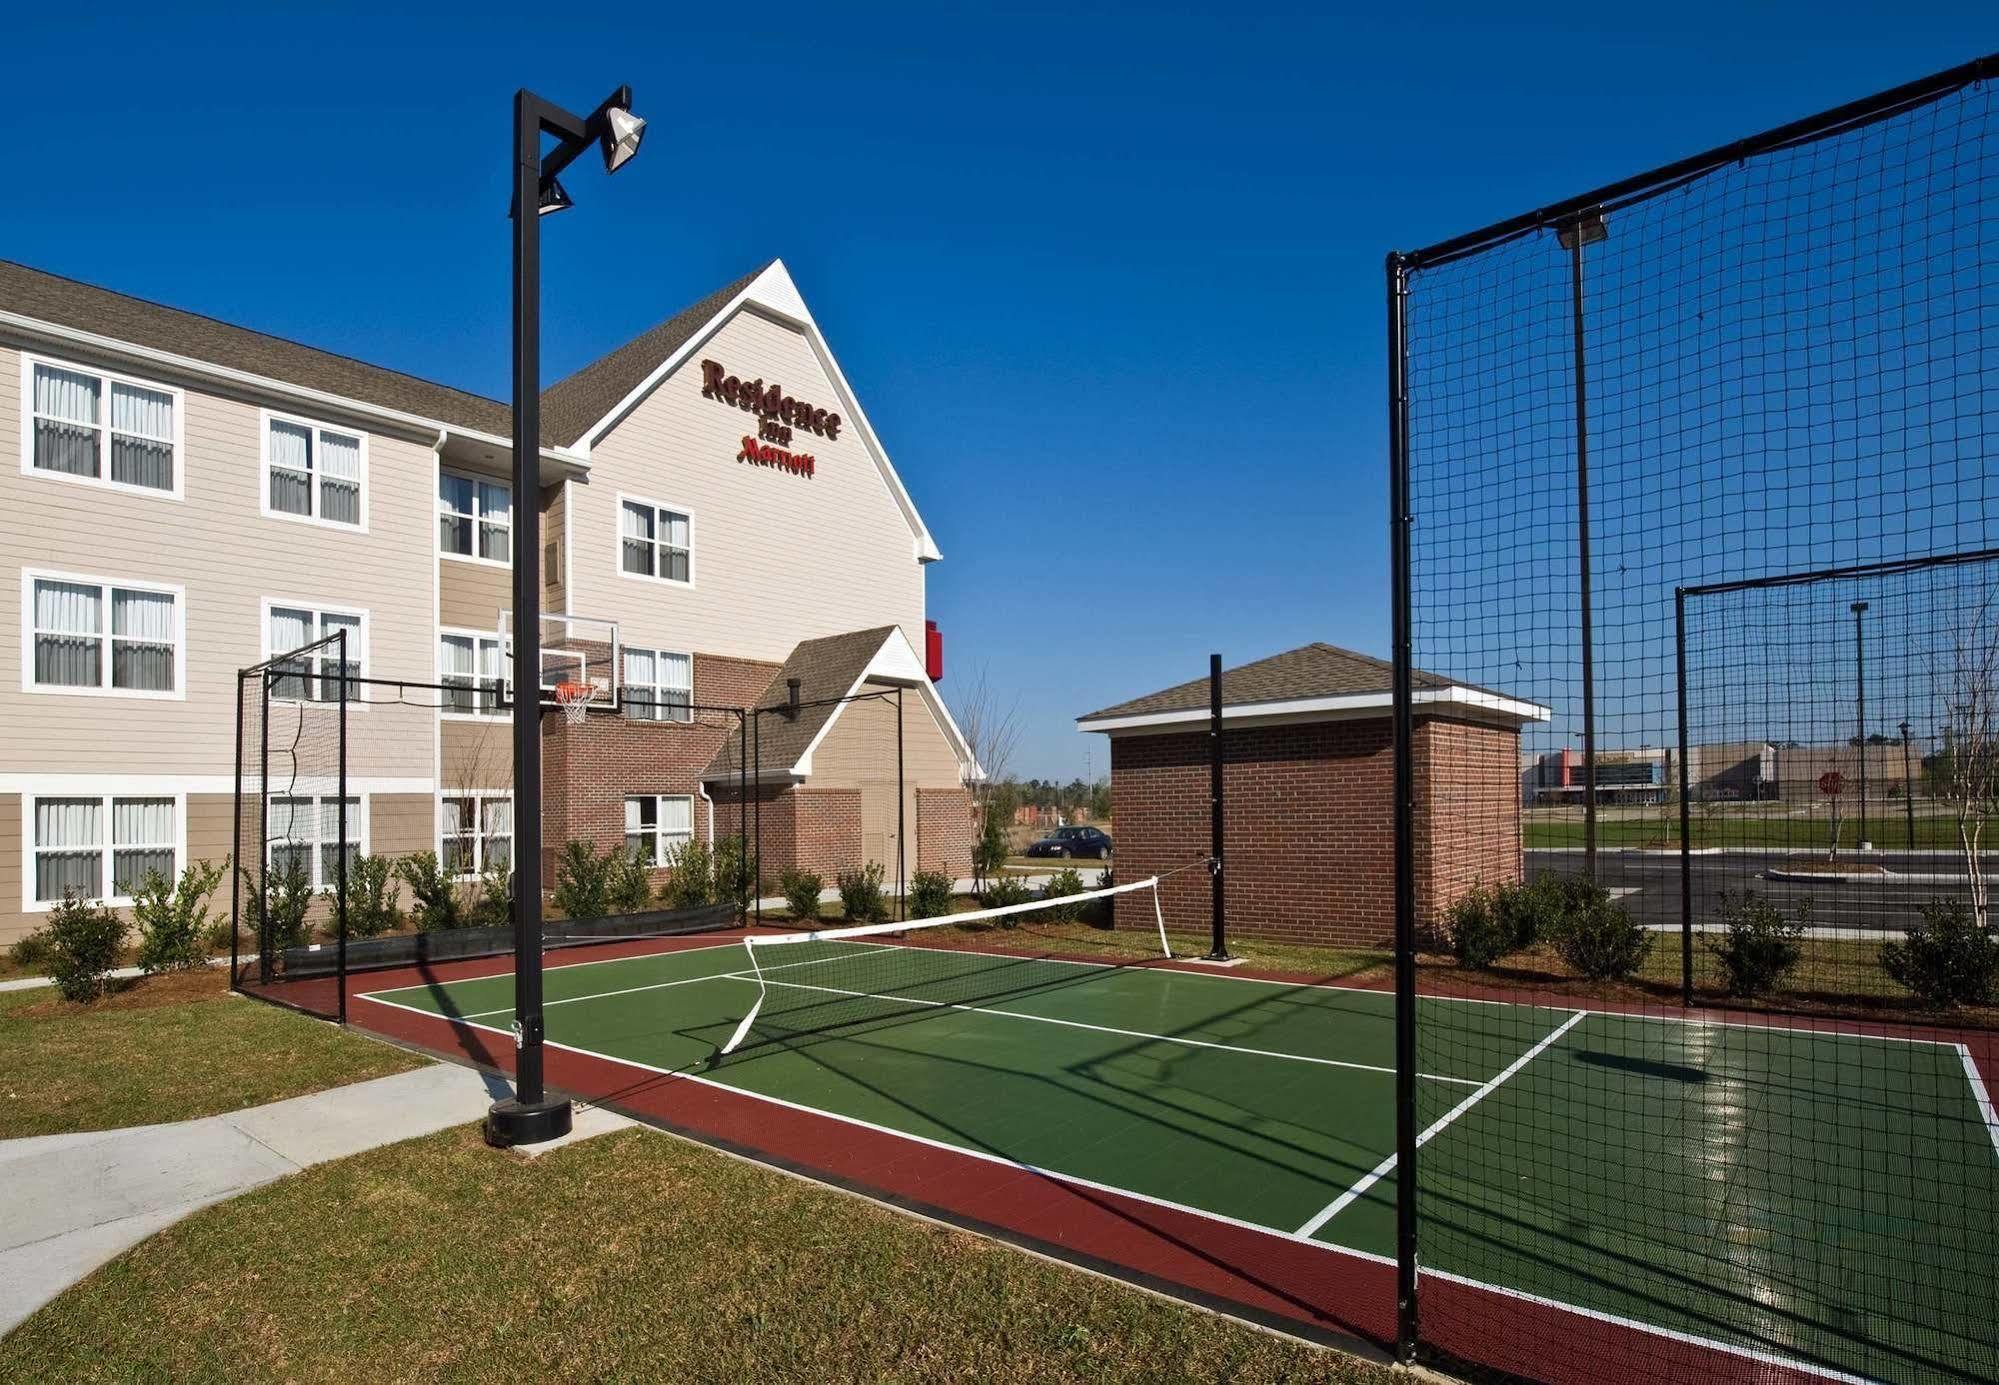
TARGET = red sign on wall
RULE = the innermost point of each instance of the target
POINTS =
(1832, 782)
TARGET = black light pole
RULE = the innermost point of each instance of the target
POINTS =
(1585, 228)
(528, 1117)
(1859, 609)
(1218, 948)
(1908, 786)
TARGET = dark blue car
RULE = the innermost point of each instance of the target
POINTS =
(1085, 843)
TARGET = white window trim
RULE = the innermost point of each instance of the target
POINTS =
(29, 576)
(444, 632)
(266, 417)
(626, 650)
(618, 542)
(693, 826)
(31, 905)
(473, 557)
(362, 842)
(318, 608)
(106, 379)
(479, 797)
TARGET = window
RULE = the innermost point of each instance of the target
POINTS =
(658, 686)
(90, 426)
(313, 472)
(475, 831)
(469, 666)
(81, 843)
(658, 542)
(655, 825)
(475, 518)
(315, 676)
(93, 635)
(305, 834)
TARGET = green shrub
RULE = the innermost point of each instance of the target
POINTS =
(1478, 931)
(690, 882)
(1002, 890)
(1947, 959)
(84, 942)
(1758, 946)
(989, 853)
(929, 895)
(861, 893)
(1061, 885)
(582, 882)
(493, 900)
(31, 953)
(373, 906)
(800, 889)
(627, 886)
(277, 914)
(1100, 913)
(1601, 941)
(216, 937)
(173, 918)
(435, 905)
(737, 878)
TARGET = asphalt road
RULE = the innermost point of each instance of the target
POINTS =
(1649, 886)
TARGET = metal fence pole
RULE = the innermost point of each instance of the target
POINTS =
(1218, 943)
(1686, 842)
(901, 820)
(1576, 234)
(264, 831)
(756, 779)
(236, 846)
(340, 880)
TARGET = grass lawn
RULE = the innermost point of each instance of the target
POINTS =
(165, 1048)
(1747, 828)
(632, 1256)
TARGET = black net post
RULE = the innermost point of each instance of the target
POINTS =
(263, 910)
(1218, 943)
(340, 853)
(901, 825)
(1685, 788)
(236, 847)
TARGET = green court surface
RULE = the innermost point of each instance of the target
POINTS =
(1802, 1196)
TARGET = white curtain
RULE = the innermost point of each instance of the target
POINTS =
(454, 667)
(638, 522)
(674, 556)
(330, 667)
(66, 435)
(641, 674)
(676, 681)
(290, 630)
(69, 848)
(496, 822)
(676, 819)
(69, 623)
(142, 841)
(142, 433)
(142, 640)
(454, 513)
(291, 468)
(340, 478)
(329, 838)
(496, 517)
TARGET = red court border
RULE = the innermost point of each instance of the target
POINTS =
(1320, 1290)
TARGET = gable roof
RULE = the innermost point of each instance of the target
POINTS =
(1313, 677)
(825, 668)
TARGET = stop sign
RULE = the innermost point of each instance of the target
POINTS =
(1832, 782)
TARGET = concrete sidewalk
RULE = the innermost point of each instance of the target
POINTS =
(69, 1203)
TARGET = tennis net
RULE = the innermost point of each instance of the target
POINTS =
(833, 980)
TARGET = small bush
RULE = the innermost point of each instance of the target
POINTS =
(800, 889)
(1947, 960)
(277, 914)
(1758, 946)
(173, 916)
(627, 887)
(373, 902)
(216, 937)
(493, 901)
(31, 953)
(690, 880)
(989, 853)
(1002, 890)
(737, 878)
(1478, 931)
(1061, 885)
(1100, 913)
(435, 905)
(582, 882)
(84, 942)
(929, 895)
(1601, 941)
(861, 893)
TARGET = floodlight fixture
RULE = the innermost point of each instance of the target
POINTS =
(620, 137)
(554, 197)
(1588, 225)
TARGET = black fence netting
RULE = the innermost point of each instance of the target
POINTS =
(1698, 492)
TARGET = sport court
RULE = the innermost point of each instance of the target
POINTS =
(1268, 1105)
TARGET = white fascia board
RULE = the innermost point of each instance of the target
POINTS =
(896, 662)
(775, 296)
(111, 346)
(1315, 708)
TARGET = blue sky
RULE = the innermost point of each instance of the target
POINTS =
(1108, 280)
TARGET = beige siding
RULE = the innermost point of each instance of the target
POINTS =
(228, 558)
(475, 755)
(860, 752)
(399, 824)
(778, 557)
(554, 545)
(13, 923)
(470, 596)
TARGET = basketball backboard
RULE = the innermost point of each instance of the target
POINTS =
(574, 649)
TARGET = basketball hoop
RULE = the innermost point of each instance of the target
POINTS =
(574, 699)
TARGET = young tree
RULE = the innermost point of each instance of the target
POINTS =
(1965, 774)
(991, 726)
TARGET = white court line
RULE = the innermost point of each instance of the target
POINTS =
(1381, 1170)
(1981, 1096)
(1769, 1358)
(634, 990)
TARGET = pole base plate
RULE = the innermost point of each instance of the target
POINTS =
(512, 1122)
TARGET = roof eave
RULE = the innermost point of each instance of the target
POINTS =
(1470, 701)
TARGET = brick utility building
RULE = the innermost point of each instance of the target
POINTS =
(1307, 778)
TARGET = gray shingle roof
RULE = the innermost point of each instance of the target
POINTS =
(824, 668)
(1314, 670)
(569, 406)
